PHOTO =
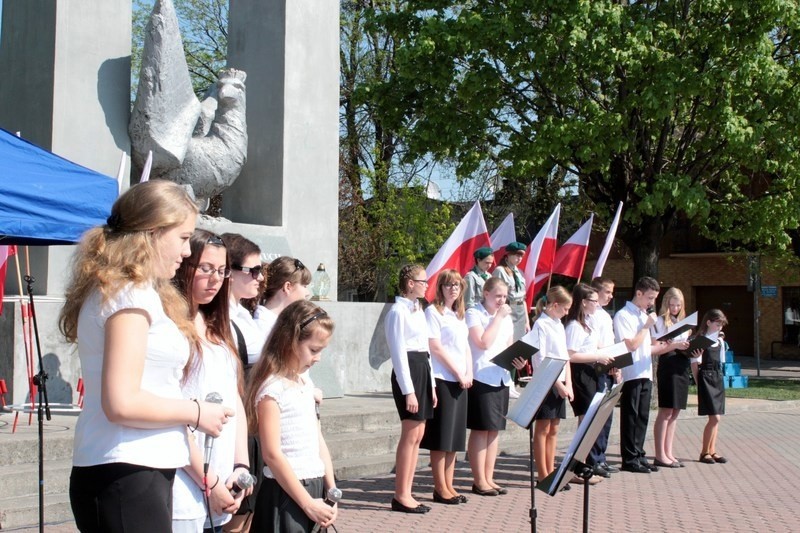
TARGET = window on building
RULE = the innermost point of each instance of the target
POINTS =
(791, 314)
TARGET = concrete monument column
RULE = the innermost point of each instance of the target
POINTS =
(290, 51)
(65, 71)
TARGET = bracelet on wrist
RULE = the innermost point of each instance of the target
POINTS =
(215, 484)
(241, 465)
(196, 424)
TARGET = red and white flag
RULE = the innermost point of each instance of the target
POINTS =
(5, 253)
(612, 233)
(456, 252)
(572, 254)
(503, 235)
(538, 261)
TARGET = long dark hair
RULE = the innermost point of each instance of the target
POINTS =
(216, 313)
(580, 292)
(296, 323)
(239, 249)
(712, 315)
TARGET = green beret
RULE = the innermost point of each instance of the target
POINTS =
(515, 246)
(482, 253)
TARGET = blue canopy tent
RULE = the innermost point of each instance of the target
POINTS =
(46, 199)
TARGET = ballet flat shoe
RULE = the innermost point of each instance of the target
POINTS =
(400, 508)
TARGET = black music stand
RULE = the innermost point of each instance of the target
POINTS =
(574, 461)
(526, 406)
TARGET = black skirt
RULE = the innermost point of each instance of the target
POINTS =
(710, 392)
(447, 431)
(672, 377)
(487, 407)
(584, 387)
(277, 511)
(553, 407)
(420, 369)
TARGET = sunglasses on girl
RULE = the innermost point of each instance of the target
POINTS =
(254, 271)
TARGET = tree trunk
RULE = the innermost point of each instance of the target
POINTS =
(645, 245)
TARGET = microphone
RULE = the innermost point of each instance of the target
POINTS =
(333, 496)
(212, 397)
(243, 482)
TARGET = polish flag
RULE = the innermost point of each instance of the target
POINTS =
(612, 233)
(456, 253)
(538, 262)
(503, 235)
(5, 253)
(572, 254)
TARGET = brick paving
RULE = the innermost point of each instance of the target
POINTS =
(755, 491)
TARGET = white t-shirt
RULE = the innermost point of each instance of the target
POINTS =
(549, 335)
(254, 335)
(406, 331)
(214, 372)
(265, 319)
(453, 335)
(99, 441)
(483, 369)
(627, 323)
(579, 339)
(602, 326)
(299, 426)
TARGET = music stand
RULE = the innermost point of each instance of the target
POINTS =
(590, 427)
(526, 406)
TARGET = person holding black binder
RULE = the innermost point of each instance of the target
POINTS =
(710, 388)
(632, 325)
(490, 332)
(582, 345)
(672, 374)
(548, 334)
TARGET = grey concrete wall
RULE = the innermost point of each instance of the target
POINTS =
(65, 71)
(290, 50)
(356, 360)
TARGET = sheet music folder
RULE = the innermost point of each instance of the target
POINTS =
(676, 329)
(701, 342)
(620, 361)
(518, 349)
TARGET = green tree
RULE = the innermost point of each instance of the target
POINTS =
(679, 108)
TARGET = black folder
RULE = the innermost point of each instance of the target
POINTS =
(518, 349)
(619, 361)
(701, 342)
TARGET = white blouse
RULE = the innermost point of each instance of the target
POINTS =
(406, 331)
(483, 369)
(453, 334)
(549, 335)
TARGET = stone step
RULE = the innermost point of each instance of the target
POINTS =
(373, 465)
(359, 445)
(24, 510)
(23, 479)
(23, 446)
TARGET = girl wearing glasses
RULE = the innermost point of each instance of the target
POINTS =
(134, 336)
(214, 366)
(280, 410)
(412, 381)
(446, 433)
(707, 371)
(672, 378)
(490, 332)
(582, 344)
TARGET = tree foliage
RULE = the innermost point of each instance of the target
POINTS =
(678, 108)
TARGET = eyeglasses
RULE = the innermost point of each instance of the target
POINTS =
(425, 281)
(319, 314)
(254, 271)
(298, 265)
(208, 270)
(450, 285)
(591, 300)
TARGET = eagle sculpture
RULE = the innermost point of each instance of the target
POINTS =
(201, 145)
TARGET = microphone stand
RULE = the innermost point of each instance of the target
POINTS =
(43, 406)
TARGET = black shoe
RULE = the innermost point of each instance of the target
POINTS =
(462, 498)
(400, 508)
(501, 490)
(666, 465)
(600, 471)
(651, 467)
(481, 492)
(636, 467)
(438, 498)
(609, 468)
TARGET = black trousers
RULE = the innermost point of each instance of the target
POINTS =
(634, 416)
(121, 497)
(598, 452)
